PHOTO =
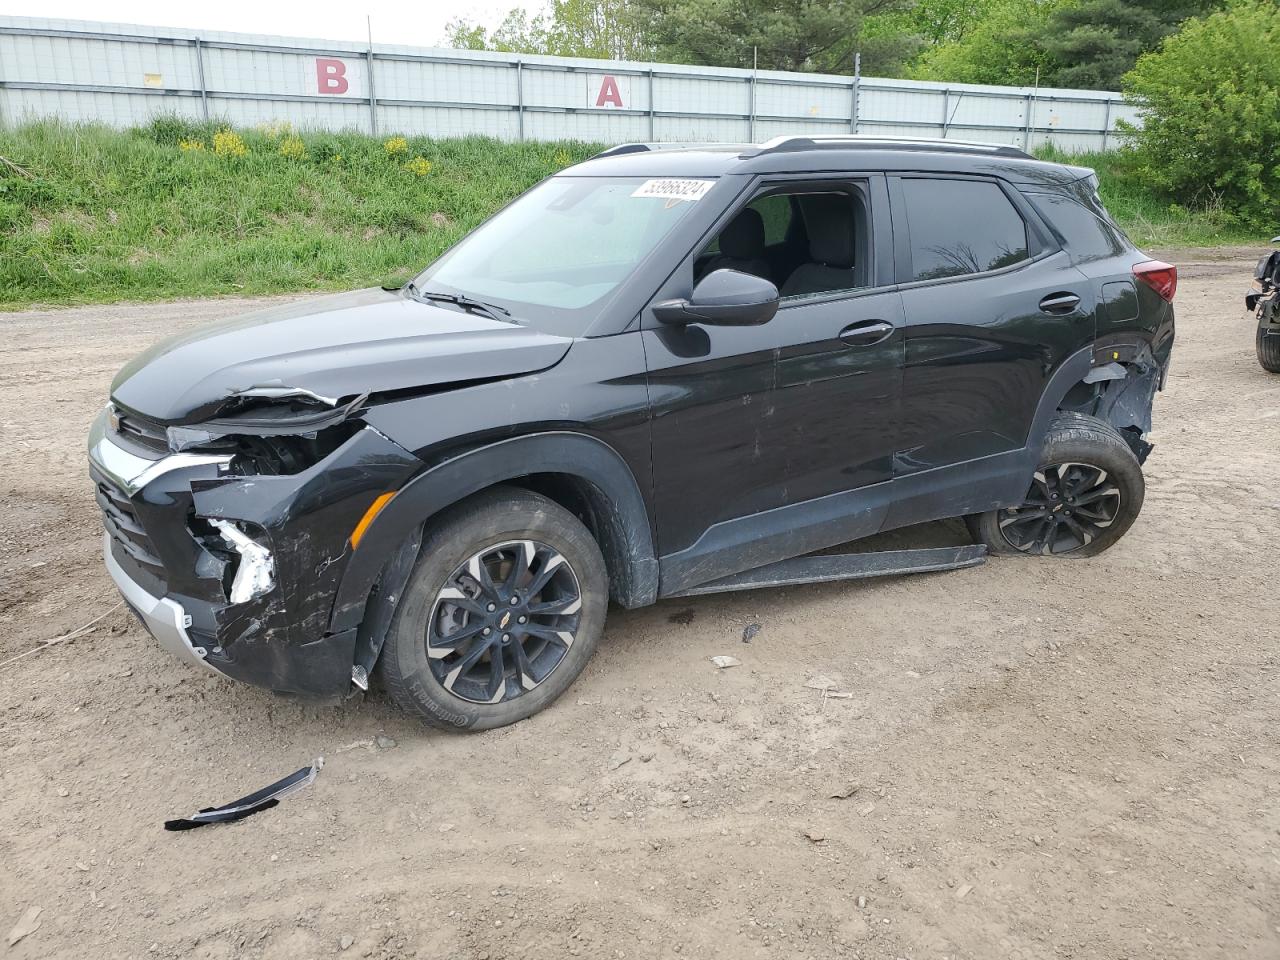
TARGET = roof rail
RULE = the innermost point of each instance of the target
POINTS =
(796, 143)
(623, 148)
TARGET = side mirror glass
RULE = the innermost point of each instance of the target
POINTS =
(726, 298)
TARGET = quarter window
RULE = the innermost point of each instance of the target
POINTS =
(960, 227)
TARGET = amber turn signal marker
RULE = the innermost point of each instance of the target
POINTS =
(375, 508)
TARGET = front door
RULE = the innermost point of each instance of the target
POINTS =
(754, 426)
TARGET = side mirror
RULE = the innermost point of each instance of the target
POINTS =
(724, 298)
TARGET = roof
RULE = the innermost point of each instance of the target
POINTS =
(814, 154)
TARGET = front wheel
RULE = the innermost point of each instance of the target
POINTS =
(500, 615)
(1084, 496)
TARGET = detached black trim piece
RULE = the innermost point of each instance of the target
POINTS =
(264, 799)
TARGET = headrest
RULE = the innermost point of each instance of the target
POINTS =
(743, 237)
(829, 220)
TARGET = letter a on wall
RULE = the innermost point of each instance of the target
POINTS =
(609, 92)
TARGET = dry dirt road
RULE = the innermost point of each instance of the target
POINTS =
(1051, 759)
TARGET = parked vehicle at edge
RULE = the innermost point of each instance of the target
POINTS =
(1263, 301)
(654, 370)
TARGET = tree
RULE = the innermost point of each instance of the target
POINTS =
(601, 29)
(1003, 47)
(1093, 43)
(808, 35)
(1066, 43)
(1210, 102)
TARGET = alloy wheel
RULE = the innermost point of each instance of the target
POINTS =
(1068, 506)
(503, 621)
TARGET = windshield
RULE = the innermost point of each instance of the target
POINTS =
(562, 248)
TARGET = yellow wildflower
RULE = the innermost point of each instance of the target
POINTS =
(418, 166)
(190, 145)
(228, 143)
(293, 147)
(396, 145)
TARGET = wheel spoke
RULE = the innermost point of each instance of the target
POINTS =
(466, 663)
(442, 646)
(1075, 527)
(549, 567)
(562, 606)
(458, 598)
(521, 565)
(497, 688)
(479, 572)
(1098, 493)
(562, 637)
(524, 669)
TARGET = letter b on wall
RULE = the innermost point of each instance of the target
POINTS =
(331, 76)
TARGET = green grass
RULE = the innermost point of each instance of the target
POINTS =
(92, 215)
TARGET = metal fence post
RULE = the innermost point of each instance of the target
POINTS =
(946, 110)
(1106, 125)
(373, 100)
(855, 92)
(520, 97)
(652, 136)
(1026, 135)
(204, 93)
(755, 65)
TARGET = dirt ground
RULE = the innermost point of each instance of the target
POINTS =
(1046, 759)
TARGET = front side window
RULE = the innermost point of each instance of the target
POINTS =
(808, 240)
(960, 227)
(564, 246)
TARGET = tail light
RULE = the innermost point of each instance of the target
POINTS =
(1159, 276)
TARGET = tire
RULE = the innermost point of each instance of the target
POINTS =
(469, 564)
(1087, 491)
(1268, 351)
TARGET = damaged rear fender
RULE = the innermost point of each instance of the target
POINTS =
(1115, 381)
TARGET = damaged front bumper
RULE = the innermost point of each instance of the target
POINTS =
(236, 571)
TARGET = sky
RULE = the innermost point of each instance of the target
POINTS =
(418, 23)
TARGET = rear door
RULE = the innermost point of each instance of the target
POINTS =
(992, 307)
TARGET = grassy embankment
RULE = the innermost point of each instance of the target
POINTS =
(91, 215)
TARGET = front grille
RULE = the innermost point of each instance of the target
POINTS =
(140, 431)
(121, 520)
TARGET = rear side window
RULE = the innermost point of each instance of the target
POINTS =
(1086, 234)
(959, 227)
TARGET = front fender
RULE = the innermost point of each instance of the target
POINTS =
(628, 541)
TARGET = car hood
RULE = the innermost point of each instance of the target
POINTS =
(367, 341)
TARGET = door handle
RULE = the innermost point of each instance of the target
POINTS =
(865, 333)
(1063, 302)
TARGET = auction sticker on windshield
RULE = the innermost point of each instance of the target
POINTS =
(674, 190)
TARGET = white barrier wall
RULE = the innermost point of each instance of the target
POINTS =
(123, 75)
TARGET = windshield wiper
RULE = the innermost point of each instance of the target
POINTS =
(466, 303)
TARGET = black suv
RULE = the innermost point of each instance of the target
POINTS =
(653, 371)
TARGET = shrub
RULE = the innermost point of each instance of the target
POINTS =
(1210, 102)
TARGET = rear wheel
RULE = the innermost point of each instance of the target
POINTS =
(1084, 496)
(1268, 350)
(500, 615)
